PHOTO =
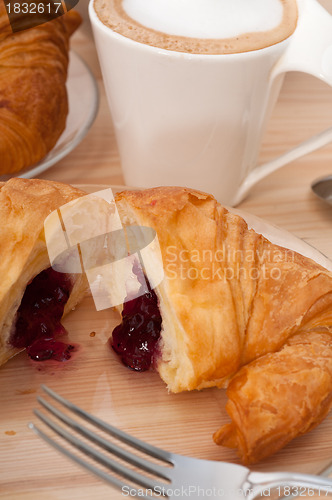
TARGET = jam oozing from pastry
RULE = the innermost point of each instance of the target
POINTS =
(41, 350)
(38, 322)
(136, 339)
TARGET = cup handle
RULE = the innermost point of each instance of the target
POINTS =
(309, 51)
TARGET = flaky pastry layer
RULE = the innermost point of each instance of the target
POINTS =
(24, 205)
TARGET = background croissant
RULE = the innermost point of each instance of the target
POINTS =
(33, 96)
(240, 311)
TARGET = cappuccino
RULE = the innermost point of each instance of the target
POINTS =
(201, 26)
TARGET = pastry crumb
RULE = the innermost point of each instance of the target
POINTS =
(26, 391)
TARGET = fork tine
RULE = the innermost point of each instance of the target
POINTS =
(107, 445)
(90, 467)
(324, 473)
(100, 457)
(113, 431)
(327, 471)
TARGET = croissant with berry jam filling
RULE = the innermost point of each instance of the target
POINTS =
(233, 310)
(33, 297)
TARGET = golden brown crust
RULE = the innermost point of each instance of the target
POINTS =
(185, 221)
(228, 298)
(279, 396)
(24, 205)
(33, 96)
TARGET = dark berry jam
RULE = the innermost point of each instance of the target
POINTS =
(136, 339)
(38, 322)
(41, 350)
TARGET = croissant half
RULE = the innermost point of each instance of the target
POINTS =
(33, 95)
(237, 311)
(24, 205)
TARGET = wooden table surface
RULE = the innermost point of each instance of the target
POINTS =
(284, 198)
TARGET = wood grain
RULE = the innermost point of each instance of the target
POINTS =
(135, 402)
(139, 403)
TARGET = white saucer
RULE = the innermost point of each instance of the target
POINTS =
(83, 97)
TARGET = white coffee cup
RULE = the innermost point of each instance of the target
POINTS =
(197, 120)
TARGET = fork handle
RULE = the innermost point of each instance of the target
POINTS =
(261, 481)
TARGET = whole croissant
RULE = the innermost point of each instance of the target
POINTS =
(236, 310)
(33, 96)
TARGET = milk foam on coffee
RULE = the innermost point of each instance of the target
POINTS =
(201, 26)
(206, 18)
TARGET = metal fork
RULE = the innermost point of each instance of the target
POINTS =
(175, 477)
